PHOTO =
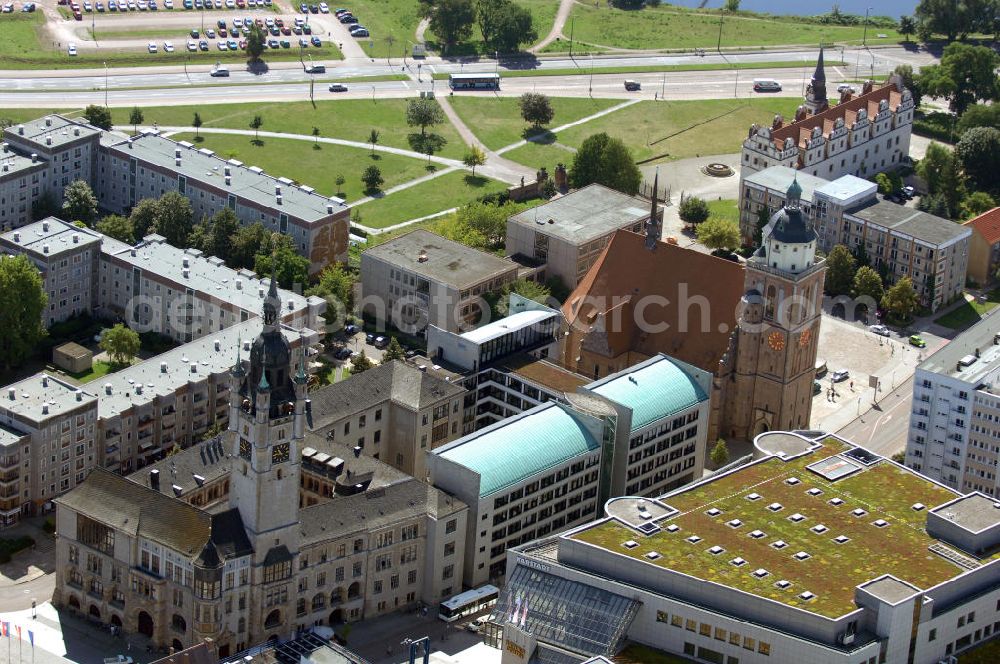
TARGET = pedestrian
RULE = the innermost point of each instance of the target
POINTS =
(852, 386)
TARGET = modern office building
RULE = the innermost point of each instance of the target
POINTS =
(421, 279)
(565, 236)
(38, 159)
(817, 551)
(551, 466)
(984, 246)
(954, 434)
(253, 564)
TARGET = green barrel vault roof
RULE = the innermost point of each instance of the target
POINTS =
(652, 390)
(517, 448)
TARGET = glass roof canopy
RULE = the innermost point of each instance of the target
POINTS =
(572, 615)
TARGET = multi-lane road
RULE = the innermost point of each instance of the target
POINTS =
(288, 81)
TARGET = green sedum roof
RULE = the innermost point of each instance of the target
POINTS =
(653, 390)
(515, 449)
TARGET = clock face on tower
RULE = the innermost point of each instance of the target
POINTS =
(805, 338)
(776, 340)
(244, 448)
(279, 453)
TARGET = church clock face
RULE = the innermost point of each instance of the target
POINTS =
(279, 453)
(805, 338)
(776, 340)
(244, 448)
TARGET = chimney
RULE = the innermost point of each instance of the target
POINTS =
(107, 388)
(291, 304)
(154, 479)
(45, 226)
(79, 395)
(48, 122)
(45, 381)
(34, 157)
(45, 409)
(329, 208)
(11, 393)
(277, 190)
(186, 272)
(229, 181)
(177, 161)
(194, 367)
(138, 388)
(163, 367)
(239, 284)
(130, 144)
(20, 130)
(260, 292)
(6, 167)
(226, 171)
(45, 248)
(218, 345)
(5, 147)
(76, 131)
(422, 256)
(132, 252)
(76, 238)
(17, 236)
(185, 262)
(277, 199)
(177, 153)
(48, 140)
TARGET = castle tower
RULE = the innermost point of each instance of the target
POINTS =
(774, 351)
(816, 101)
(266, 424)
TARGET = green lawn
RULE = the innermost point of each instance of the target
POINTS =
(725, 208)
(349, 119)
(543, 13)
(665, 131)
(16, 115)
(833, 570)
(442, 193)
(968, 312)
(497, 121)
(668, 27)
(988, 653)
(22, 47)
(99, 369)
(299, 161)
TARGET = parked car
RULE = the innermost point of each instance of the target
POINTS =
(233, 45)
(918, 341)
(840, 375)
(348, 19)
(817, 387)
(273, 43)
(352, 329)
(358, 34)
(303, 42)
(313, 9)
(8, 7)
(285, 43)
(151, 47)
(369, 337)
(168, 47)
(316, 41)
(324, 8)
(99, 7)
(342, 353)
(354, 27)
(192, 45)
(880, 330)
(203, 45)
(296, 30)
(168, 4)
(304, 8)
(306, 29)
(909, 192)
(30, 7)
(71, 49)
(210, 33)
(285, 30)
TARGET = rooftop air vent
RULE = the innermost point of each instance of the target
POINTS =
(194, 367)
(163, 367)
(107, 388)
(45, 226)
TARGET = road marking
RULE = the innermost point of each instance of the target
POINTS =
(885, 417)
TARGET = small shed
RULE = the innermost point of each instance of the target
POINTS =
(72, 357)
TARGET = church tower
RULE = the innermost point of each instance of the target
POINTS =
(266, 423)
(774, 354)
(816, 101)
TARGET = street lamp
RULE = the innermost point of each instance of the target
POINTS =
(864, 35)
(722, 15)
(105, 85)
(591, 87)
(572, 23)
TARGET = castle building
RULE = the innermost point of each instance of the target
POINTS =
(235, 540)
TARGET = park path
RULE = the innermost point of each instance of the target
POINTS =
(565, 7)
(418, 35)
(444, 161)
(583, 120)
(496, 166)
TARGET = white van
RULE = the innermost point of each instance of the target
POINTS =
(766, 85)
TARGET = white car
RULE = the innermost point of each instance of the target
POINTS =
(168, 47)
(880, 330)
(223, 46)
(324, 8)
(151, 47)
(269, 22)
(230, 4)
(142, 5)
(168, 4)
(192, 45)
(8, 7)
(71, 49)
(840, 376)
(87, 7)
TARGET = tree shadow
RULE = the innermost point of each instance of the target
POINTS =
(257, 67)
(375, 193)
(199, 139)
(257, 142)
(430, 168)
(538, 135)
(426, 143)
(374, 156)
(317, 146)
(475, 180)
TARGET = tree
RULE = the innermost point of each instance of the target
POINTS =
(196, 123)
(118, 227)
(44, 206)
(373, 138)
(143, 218)
(979, 153)
(256, 123)
(120, 343)
(531, 290)
(214, 235)
(255, 42)
(340, 183)
(79, 202)
(452, 21)
(372, 177)
(248, 241)
(360, 363)
(967, 74)
(536, 109)
(693, 210)
(907, 27)
(944, 17)
(423, 113)
(135, 118)
(884, 184)
(22, 302)
(283, 262)
(99, 116)
(174, 218)
(474, 157)
(979, 115)
(732, 6)
(605, 160)
(718, 233)
(911, 82)
(393, 351)
(720, 453)
(315, 134)
(900, 301)
(336, 286)
(942, 174)
(840, 269)
(977, 203)
(513, 26)
(935, 204)
(868, 283)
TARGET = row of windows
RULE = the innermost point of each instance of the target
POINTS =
(715, 632)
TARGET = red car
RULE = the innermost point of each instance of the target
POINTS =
(285, 30)
(279, 22)
(77, 15)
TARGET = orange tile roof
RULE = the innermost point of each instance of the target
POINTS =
(604, 308)
(987, 225)
(848, 110)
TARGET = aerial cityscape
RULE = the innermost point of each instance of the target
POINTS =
(499, 332)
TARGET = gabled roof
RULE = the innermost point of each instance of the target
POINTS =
(514, 449)
(626, 273)
(125, 505)
(987, 225)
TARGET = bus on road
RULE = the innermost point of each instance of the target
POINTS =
(474, 81)
(468, 603)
